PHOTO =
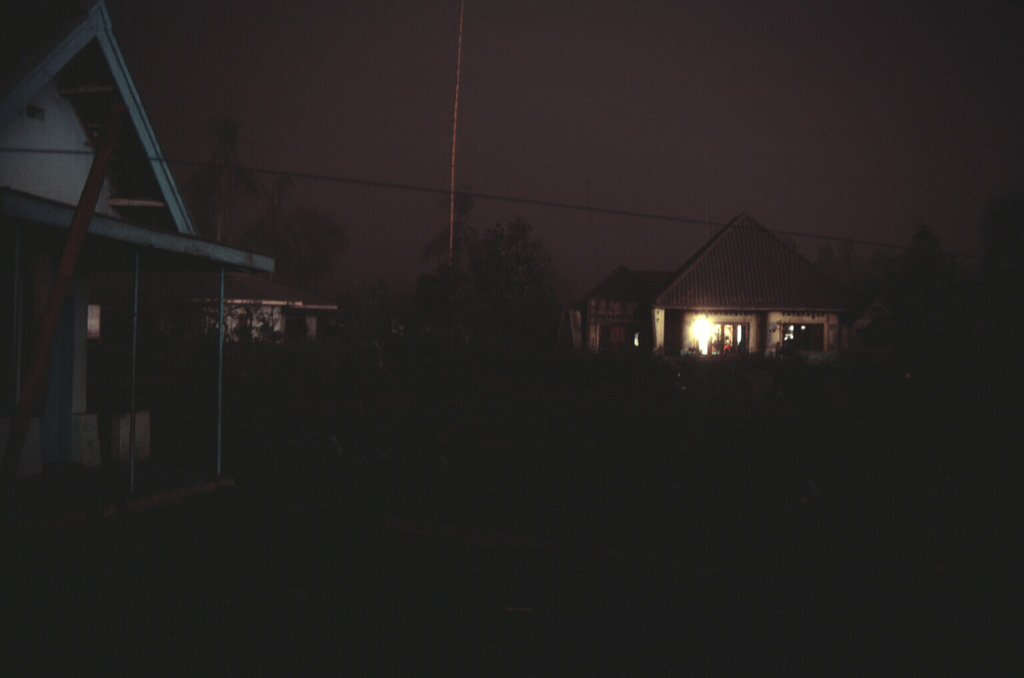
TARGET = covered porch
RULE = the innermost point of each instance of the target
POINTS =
(86, 444)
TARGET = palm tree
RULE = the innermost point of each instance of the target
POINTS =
(213, 189)
(277, 234)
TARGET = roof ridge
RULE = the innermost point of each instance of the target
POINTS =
(746, 265)
(707, 247)
(91, 21)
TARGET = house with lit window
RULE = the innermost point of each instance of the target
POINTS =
(747, 292)
(61, 76)
(617, 311)
(185, 305)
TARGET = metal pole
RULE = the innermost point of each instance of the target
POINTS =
(455, 126)
(15, 357)
(15, 316)
(135, 340)
(220, 367)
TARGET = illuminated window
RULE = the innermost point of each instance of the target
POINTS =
(93, 324)
(720, 338)
(701, 334)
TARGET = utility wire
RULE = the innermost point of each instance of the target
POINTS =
(609, 211)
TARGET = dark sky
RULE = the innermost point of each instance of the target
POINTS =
(851, 119)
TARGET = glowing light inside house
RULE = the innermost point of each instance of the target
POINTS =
(636, 338)
(701, 332)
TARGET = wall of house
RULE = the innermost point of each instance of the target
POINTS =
(13, 334)
(669, 335)
(752, 320)
(674, 335)
(658, 320)
(51, 436)
(10, 331)
(31, 461)
(605, 312)
(834, 337)
(52, 126)
(673, 329)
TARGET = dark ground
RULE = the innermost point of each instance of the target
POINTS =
(668, 520)
(208, 588)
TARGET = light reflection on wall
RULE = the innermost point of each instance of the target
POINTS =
(93, 322)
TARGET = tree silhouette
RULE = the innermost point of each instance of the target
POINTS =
(1002, 226)
(922, 291)
(326, 239)
(305, 243)
(214, 188)
(860, 277)
(276, 233)
(513, 281)
(1002, 273)
(463, 237)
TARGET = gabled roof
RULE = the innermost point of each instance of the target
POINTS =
(623, 284)
(72, 42)
(746, 267)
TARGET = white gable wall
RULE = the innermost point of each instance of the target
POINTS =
(54, 176)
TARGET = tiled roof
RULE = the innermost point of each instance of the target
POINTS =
(746, 267)
(623, 284)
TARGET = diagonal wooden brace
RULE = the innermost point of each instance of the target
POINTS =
(40, 351)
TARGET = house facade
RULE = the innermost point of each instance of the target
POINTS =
(59, 83)
(747, 292)
(617, 311)
(185, 305)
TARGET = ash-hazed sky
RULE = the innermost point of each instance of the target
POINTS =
(847, 119)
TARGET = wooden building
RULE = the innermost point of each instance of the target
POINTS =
(62, 77)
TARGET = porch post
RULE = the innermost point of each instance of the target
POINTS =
(220, 368)
(15, 325)
(131, 416)
(659, 329)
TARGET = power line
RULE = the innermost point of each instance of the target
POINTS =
(608, 211)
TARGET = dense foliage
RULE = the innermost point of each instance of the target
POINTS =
(502, 299)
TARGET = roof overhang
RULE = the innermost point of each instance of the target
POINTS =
(749, 309)
(275, 302)
(167, 250)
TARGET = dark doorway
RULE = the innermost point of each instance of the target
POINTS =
(804, 337)
(617, 338)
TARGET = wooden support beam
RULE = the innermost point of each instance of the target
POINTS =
(31, 388)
